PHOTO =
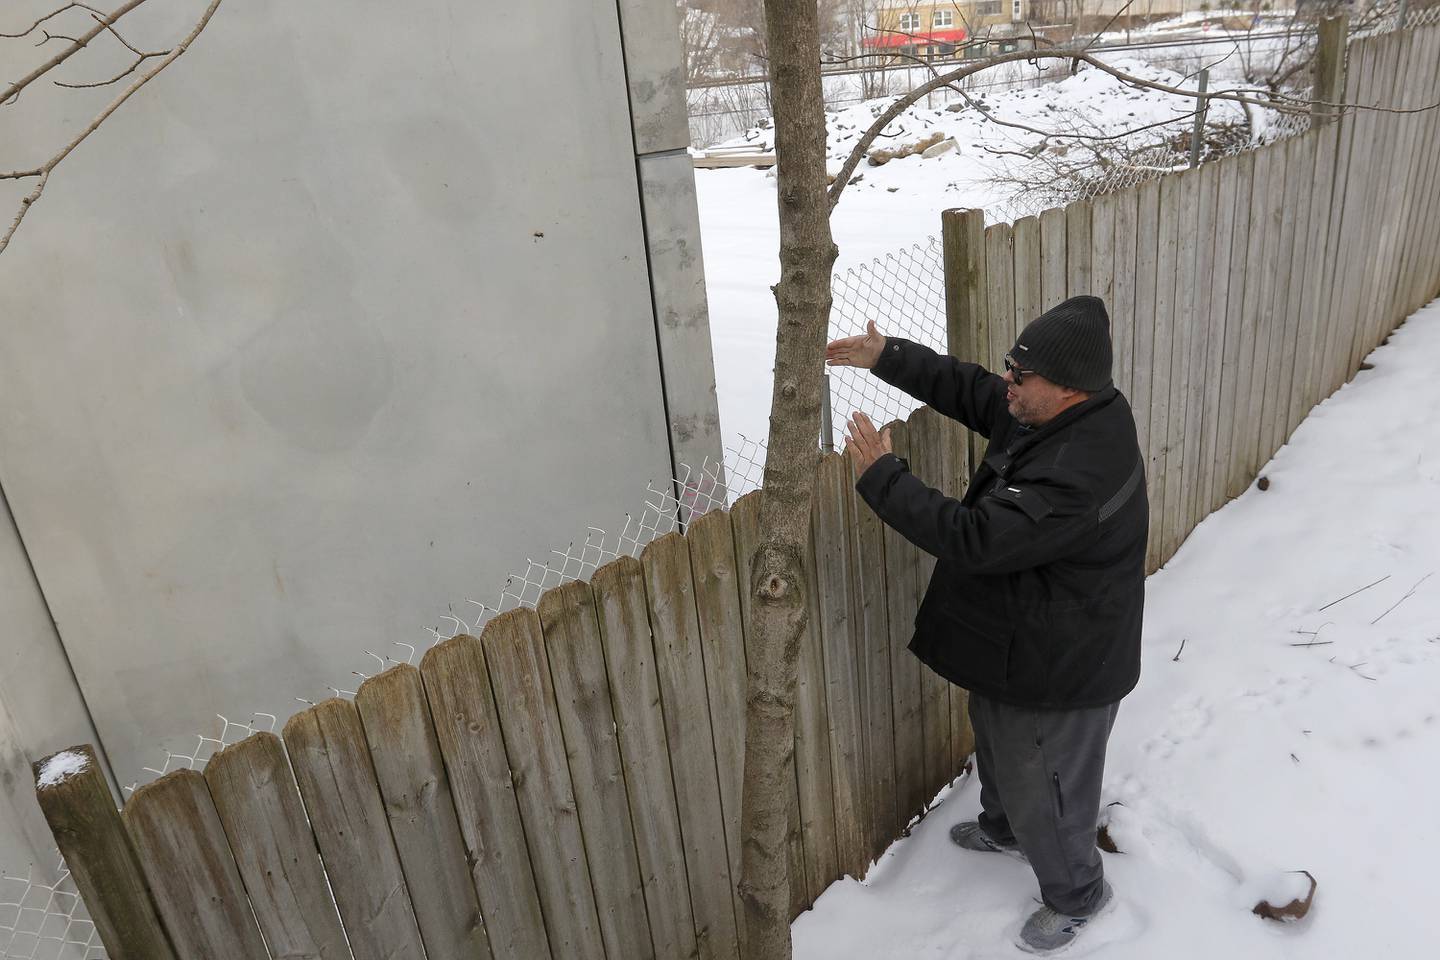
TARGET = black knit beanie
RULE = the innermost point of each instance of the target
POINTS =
(1068, 344)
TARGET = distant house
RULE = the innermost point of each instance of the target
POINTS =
(939, 28)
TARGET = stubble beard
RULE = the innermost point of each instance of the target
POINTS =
(1021, 411)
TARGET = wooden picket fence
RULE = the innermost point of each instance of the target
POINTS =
(1241, 293)
(567, 785)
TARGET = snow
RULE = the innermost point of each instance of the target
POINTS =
(892, 207)
(1206, 21)
(1292, 733)
(61, 767)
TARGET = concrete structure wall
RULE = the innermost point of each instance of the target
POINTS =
(348, 313)
(41, 710)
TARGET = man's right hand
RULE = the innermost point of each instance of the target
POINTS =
(863, 351)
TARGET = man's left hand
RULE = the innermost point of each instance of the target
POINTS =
(864, 443)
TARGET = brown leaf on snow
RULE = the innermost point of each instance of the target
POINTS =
(1291, 911)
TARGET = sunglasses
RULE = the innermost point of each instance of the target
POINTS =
(1015, 370)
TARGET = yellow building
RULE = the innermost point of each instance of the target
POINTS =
(938, 28)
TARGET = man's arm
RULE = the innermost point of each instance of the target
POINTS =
(1014, 528)
(962, 391)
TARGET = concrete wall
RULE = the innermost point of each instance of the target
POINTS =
(351, 311)
(40, 706)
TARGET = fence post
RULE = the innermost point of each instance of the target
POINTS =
(1201, 105)
(967, 303)
(963, 235)
(827, 421)
(78, 806)
(1329, 68)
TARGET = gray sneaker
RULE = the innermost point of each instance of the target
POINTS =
(968, 834)
(1049, 932)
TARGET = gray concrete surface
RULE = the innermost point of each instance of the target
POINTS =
(330, 328)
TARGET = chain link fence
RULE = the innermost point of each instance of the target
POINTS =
(43, 918)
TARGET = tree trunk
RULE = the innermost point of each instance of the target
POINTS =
(777, 577)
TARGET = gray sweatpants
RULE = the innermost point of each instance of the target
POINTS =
(1040, 773)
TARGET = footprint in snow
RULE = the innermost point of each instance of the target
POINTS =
(1189, 720)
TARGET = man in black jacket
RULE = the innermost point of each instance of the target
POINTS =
(1039, 584)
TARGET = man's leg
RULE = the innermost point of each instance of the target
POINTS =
(1048, 764)
(993, 821)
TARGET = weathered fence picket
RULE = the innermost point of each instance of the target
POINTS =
(1029, 295)
(1218, 337)
(1147, 248)
(1078, 251)
(457, 684)
(530, 726)
(669, 589)
(1185, 330)
(264, 820)
(722, 637)
(1231, 394)
(1121, 303)
(193, 877)
(927, 462)
(645, 756)
(1299, 329)
(1054, 276)
(867, 541)
(416, 791)
(337, 783)
(1162, 362)
(902, 566)
(568, 620)
(841, 645)
(813, 767)
(1242, 464)
(1000, 271)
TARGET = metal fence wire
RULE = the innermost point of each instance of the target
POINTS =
(43, 918)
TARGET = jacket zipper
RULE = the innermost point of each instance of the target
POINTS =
(1059, 797)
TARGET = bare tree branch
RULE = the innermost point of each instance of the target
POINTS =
(1280, 103)
(48, 36)
(1052, 134)
(140, 57)
(11, 92)
(127, 44)
(1092, 40)
(49, 16)
(45, 169)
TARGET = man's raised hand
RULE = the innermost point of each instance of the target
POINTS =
(864, 443)
(863, 351)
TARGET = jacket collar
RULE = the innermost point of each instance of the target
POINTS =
(1002, 460)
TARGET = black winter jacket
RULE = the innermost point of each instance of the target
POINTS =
(1039, 584)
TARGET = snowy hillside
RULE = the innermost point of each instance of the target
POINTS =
(898, 204)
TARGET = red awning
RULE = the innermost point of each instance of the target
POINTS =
(893, 39)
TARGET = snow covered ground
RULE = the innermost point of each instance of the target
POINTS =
(1292, 732)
